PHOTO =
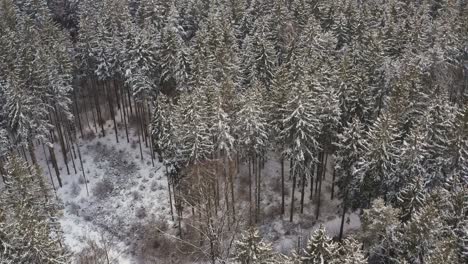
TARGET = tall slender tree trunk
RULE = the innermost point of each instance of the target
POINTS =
(333, 185)
(70, 146)
(82, 168)
(319, 172)
(292, 197)
(250, 189)
(324, 170)
(77, 111)
(48, 168)
(343, 214)
(282, 186)
(31, 151)
(226, 183)
(170, 195)
(61, 141)
(138, 132)
(231, 180)
(314, 168)
(303, 192)
(149, 135)
(259, 192)
(129, 101)
(54, 163)
(98, 107)
(255, 165)
(89, 88)
(111, 109)
(125, 114)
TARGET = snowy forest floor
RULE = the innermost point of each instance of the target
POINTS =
(128, 198)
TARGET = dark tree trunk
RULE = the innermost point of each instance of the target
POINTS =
(82, 168)
(343, 216)
(48, 168)
(54, 163)
(111, 110)
(70, 146)
(333, 185)
(139, 138)
(259, 188)
(292, 197)
(125, 114)
(61, 141)
(324, 170)
(282, 186)
(231, 179)
(77, 113)
(250, 189)
(303, 192)
(311, 196)
(98, 107)
(31, 152)
(170, 195)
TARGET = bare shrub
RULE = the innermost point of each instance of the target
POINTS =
(152, 244)
(272, 211)
(136, 196)
(73, 208)
(154, 186)
(134, 144)
(90, 135)
(97, 252)
(103, 189)
(140, 212)
(75, 189)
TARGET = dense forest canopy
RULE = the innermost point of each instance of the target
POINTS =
(378, 88)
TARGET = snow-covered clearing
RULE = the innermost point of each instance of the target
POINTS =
(127, 195)
(125, 192)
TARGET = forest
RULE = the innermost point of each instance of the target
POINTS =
(233, 131)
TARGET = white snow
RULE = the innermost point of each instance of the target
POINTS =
(139, 184)
(136, 184)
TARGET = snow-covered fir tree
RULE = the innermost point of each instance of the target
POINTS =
(29, 231)
(377, 166)
(251, 249)
(350, 252)
(320, 248)
(173, 53)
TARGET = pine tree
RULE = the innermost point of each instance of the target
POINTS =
(139, 57)
(320, 249)
(193, 129)
(173, 53)
(411, 197)
(300, 133)
(259, 55)
(251, 124)
(250, 249)
(377, 222)
(29, 231)
(350, 252)
(424, 238)
(377, 165)
(438, 121)
(349, 150)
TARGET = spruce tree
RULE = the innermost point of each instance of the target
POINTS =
(250, 249)
(350, 252)
(173, 53)
(377, 165)
(29, 231)
(320, 248)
